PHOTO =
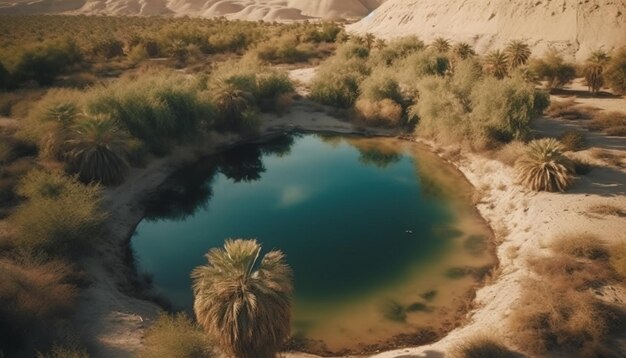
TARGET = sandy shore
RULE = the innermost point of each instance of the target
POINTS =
(113, 322)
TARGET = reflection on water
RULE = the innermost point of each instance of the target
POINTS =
(380, 233)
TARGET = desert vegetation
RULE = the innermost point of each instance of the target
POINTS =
(243, 300)
(544, 167)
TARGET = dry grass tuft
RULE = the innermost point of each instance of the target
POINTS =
(482, 346)
(573, 140)
(510, 152)
(607, 156)
(175, 337)
(567, 272)
(569, 109)
(581, 246)
(549, 321)
(607, 210)
(385, 112)
(611, 123)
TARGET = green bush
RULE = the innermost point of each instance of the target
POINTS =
(43, 63)
(107, 47)
(175, 337)
(616, 72)
(271, 86)
(61, 216)
(421, 64)
(441, 114)
(381, 84)
(286, 49)
(397, 49)
(553, 69)
(159, 109)
(505, 108)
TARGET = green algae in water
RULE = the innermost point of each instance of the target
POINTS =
(358, 219)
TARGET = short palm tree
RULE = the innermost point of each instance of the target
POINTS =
(97, 150)
(544, 167)
(594, 70)
(243, 301)
(64, 113)
(496, 64)
(231, 102)
(463, 51)
(441, 45)
(517, 53)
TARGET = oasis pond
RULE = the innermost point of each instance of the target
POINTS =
(384, 242)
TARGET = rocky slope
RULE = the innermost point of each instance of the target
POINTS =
(576, 27)
(268, 10)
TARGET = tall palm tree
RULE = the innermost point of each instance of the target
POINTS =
(463, 51)
(97, 150)
(495, 63)
(594, 70)
(441, 45)
(243, 301)
(517, 53)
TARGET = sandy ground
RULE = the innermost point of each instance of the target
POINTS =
(524, 223)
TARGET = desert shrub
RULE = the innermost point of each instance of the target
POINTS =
(573, 140)
(467, 73)
(159, 109)
(618, 259)
(398, 48)
(175, 336)
(553, 69)
(33, 297)
(550, 321)
(272, 87)
(616, 72)
(568, 109)
(337, 81)
(48, 120)
(327, 32)
(544, 167)
(381, 84)
(107, 47)
(43, 63)
(482, 347)
(567, 272)
(384, 112)
(138, 53)
(441, 114)
(505, 108)
(511, 152)
(612, 123)
(420, 64)
(286, 49)
(61, 216)
(594, 70)
(581, 246)
(98, 150)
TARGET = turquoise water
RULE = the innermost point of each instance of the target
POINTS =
(356, 219)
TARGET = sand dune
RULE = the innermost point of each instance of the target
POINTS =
(573, 26)
(268, 10)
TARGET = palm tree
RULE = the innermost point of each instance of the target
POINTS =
(544, 167)
(65, 113)
(463, 51)
(496, 64)
(97, 150)
(441, 45)
(242, 301)
(517, 53)
(231, 102)
(594, 70)
(369, 40)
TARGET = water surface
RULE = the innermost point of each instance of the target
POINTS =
(380, 233)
